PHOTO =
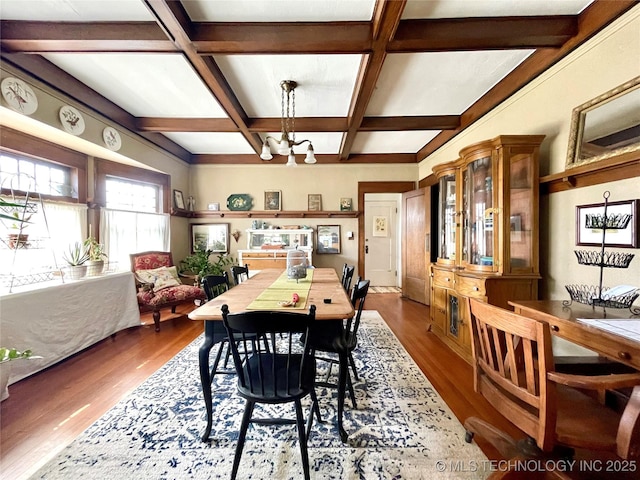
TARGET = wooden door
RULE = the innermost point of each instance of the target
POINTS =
(416, 244)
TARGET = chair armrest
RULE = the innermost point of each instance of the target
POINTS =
(596, 382)
(628, 438)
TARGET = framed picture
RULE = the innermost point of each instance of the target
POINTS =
(272, 200)
(209, 236)
(622, 224)
(178, 199)
(315, 202)
(345, 204)
(380, 226)
(328, 239)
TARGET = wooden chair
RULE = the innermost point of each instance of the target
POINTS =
(514, 370)
(284, 374)
(240, 274)
(158, 285)
(341, 338)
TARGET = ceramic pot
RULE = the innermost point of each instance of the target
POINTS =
(76, 272)
(94, 267)
(17, 240)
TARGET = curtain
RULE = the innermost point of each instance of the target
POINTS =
(123, 232)
(51, 229)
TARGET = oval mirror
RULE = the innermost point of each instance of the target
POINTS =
(606, 126)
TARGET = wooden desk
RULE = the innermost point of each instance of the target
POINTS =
(325, 284)
(563, 322)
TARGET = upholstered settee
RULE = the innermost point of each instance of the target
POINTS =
(159, 285)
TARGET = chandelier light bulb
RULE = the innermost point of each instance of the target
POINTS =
(266, 151)
(310, 158)
(291, 159)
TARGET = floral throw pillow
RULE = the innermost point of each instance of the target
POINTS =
(162, 277)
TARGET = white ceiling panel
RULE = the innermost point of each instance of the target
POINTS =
(156, 85)
(392, 142)
(75, 10)
(325, 82)
(279, 10)
(211, 142)
(491, 8)
(439, 83)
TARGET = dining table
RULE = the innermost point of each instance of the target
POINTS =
(267, 290)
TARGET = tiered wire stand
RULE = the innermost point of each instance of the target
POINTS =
(28, 203)
(596, 295)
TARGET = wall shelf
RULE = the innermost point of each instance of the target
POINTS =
(264, 214)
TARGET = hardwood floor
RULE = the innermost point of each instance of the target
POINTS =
(48, 410)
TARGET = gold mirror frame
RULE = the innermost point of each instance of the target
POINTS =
(576, 153)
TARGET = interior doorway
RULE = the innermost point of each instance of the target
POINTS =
(373, 187)
(381, 239)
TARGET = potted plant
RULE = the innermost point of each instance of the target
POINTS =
(6, 356)
(199, 265)
(97, 256)
(17, 217)
(76, 257)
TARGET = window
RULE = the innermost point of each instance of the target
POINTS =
(132, 196)
(35, 176)
(134, 210)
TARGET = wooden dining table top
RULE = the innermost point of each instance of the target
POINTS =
(325, 285)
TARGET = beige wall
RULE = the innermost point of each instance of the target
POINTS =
(211, 184)
(545, 107)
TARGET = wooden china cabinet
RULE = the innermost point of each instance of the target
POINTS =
(488, 233)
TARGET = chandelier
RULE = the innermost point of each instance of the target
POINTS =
(288, 129)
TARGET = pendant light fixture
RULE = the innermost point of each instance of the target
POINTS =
(287, 139)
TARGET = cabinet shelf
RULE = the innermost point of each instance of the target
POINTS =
(264, 214)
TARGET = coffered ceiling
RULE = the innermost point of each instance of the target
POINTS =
(379, 81)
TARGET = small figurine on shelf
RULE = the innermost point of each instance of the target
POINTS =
(191, 203)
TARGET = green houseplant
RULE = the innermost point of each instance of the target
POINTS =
(8, 355)
(76, 257)
(199, 264)
(97, 256)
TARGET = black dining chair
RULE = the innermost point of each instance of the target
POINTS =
(214, 332)
(341, 338)
(284, 374)
(240, 274)
(347, 275)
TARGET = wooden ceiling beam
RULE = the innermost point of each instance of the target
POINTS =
(386, 17)
(303, 124)
(456, 34)
(282, 38)
(42, 37)
(244, 159)
(596, 17)
(173, 18)
(50, 74)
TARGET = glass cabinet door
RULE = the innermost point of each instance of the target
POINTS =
(447, 218)
(521, 201)
(478, 211)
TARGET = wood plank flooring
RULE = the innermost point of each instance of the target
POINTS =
(48, 410)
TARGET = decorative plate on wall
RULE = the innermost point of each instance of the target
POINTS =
(239, 201)
(71, 120)
(19, 96)
(112, 139)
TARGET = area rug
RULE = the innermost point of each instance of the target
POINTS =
(401, 429)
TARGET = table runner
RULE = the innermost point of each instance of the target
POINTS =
(282, 290)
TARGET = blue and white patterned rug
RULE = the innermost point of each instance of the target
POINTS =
(401, 429)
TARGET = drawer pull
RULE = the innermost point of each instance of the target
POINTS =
(555, 328)
(476, 289)
(447, 279)
(624, 355)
